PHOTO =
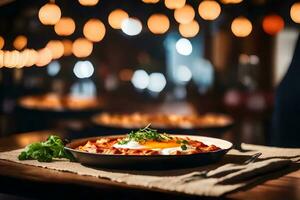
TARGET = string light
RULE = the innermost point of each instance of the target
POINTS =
(20, 42)
(88, 2)
(49, 14)
(82, 47)
(174, 4)
(65, 26)
(44, 57)
(67, 47)
(272, 24)
(295, 12)
(185, 14)
(116, 18)
(209, 10)
(2, 42)
(94, 30)
(231, 1)
(158, 23)
(56, 47)
(189, 30)
(241, 27)
(32, 57)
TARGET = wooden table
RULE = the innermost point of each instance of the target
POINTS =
(36, 182)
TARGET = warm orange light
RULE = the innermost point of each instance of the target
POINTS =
(241, 27)
(273, 24)
(82, 47)
(2, 42)
(20, 42)
(231, 1)
(189, 30)
(150, 1)
(94, 30)
(209, 10)
(116, 18)
(185, 14)
(158, 23)
(56, 47)
(125, 74)
(67, 47)
(49, 14)
(44, 57)
(65, 26)
(295, 12)
(174, 4)
(1, 59)
(88, 2)
(30, 56)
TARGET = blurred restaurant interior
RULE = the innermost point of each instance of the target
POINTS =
(62, 63)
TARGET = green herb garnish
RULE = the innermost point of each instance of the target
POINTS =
(46, 151)
(183, 147)
(145, 134)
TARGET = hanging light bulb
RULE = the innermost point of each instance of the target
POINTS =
(56, 47)
(20, 42)
(49, 14)
(116, 18)
(158, 23)
(2, 42)
(295, 12)
(272, 24)
(88, 2)
(241, 27)
(185, 14)
(65, 26)
(174, 4)
(209, 10)
(67, 47)
(82, 47)
(94, 30)
(190, 29)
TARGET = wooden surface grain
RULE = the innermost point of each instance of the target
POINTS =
(36, 182)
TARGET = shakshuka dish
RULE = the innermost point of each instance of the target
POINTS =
(146, 141)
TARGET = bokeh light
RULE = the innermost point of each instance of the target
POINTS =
(56, 47)
(209, 10)
(183, 74)
(20, 42)
(150, 1)
(83, 69)
(2, 42)
(116, 17)
(49, 14)
(174, 4)
(241, 27)
(131, 26)
(88, 2)
(231, 1)
(125, 74)
(140, 79)
(157, 82)
(94, 30)
(82, 47)
(190, 29)
(68, 44)
(272, 24)
(65, 26)
(53, 68)
(185, 14)
(44, 57)
(184, 47)
(295, 12)
(158, 23)
(32, 57)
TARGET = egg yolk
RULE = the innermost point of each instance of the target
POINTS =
(160, 145)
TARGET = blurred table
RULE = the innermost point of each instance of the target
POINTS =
(36, 182)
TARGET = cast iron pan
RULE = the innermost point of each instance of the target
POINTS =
(149, 161)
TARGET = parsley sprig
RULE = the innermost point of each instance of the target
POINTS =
(145, 134)
(46, 151)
